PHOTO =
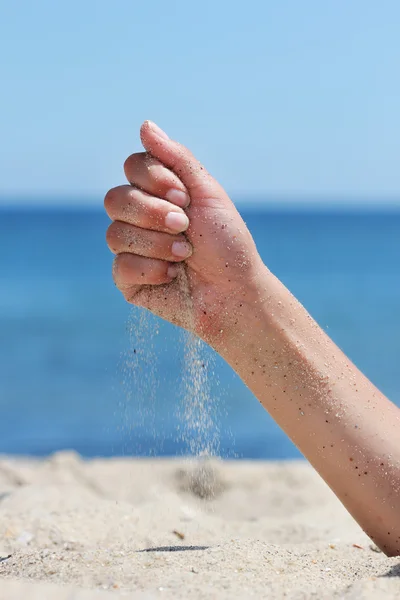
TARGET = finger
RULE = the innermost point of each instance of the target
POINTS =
(131, 205)
(130, 270)
(122, 237)
(149, 174)
(181, 161)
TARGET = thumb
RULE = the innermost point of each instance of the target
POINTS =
(181, 161)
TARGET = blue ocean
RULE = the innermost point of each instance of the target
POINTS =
(82, 370)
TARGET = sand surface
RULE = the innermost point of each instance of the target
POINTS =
(127, 528)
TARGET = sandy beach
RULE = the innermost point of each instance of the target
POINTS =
(165, 528)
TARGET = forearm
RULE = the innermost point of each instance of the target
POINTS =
(345, 427)
(340, 422)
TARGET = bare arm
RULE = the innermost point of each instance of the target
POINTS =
(345, 427)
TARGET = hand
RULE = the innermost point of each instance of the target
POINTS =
(183, 251)
(220, 290)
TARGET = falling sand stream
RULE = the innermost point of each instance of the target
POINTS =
(195, 410)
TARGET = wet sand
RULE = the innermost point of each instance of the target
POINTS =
(166, 528)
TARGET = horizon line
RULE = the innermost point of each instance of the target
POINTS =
(269, 200)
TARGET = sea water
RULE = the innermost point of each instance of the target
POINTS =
(66, 334)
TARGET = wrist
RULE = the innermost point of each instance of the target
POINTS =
(266, 312)
(239, 314)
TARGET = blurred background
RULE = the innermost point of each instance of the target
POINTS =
(293, 106)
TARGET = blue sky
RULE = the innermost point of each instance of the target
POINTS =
(295, 99)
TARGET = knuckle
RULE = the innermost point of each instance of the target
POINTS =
(109, 199)
(127, 163)
(112, 237)
(113, 200)
(121, 269)
(134, 162)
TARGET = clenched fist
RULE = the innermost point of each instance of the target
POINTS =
(183, 251)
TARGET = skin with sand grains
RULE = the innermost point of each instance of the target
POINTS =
(176, 232)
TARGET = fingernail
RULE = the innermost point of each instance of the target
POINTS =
(157, 130)
(172, 271)
(178, 198)
(181, 249)
(176, 221)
